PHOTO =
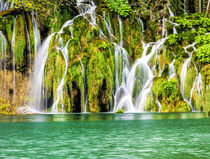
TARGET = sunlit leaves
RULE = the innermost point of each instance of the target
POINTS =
(119, 6)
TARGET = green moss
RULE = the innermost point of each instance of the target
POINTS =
(9, 28)
(120, 111)
(59, 16)
(189, 80)
(6, 109)
(150, 104)
(99, 80)
(20, 41)
(182, 106)
(169, 95)
(92, 33)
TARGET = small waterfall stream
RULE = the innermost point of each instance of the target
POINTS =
(184, 71)
(84, 87)
(124, 94)
(13, 57)
(37, 39)
(6, 5)
(3, 52)
(59, 92)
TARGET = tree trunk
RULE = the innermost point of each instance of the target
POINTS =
(11, 11)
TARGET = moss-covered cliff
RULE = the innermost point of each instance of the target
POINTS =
(90, 80)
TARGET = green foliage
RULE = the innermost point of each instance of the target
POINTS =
(40, 6)
(28, 5)
(202, 39)
(169, 88)
(143, 8)
(196, 20)
(119, 6)
(203, 53)
(172, 39)
(169, 95)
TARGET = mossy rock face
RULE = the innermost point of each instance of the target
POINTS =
(197, 99)
(169, 95)
(150, 104)
(99, 80)
(89, 55)
(73, 88)
(130, 32)
(80, 28)
(30, 31)
(8, 22)
(132, 37)
(20, 41)
(189, 80)
(181, 106)
(176, 79)
(205, 72)
(6, 109)
(56, 18)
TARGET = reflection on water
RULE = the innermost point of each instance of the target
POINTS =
(99, 117)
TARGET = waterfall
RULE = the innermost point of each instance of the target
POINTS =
(122, 55)
(184, 71)
(13, 58)
(84, 87)
(108, 25)
(197, 85)
(125, 96)
(200, 6)
(170, 11)
(159, 105)
(86, 10)
(121, 30)
(59, 92)
(39, 65)
(3, 63)
(185, 8)
(133, 83)
(171, 71)
(37, 40)
(6, 5)
(142, 25)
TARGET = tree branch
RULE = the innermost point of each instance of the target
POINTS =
(11, 11)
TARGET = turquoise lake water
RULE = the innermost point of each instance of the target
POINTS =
(148, 135)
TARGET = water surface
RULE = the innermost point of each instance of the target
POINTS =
(148, 135)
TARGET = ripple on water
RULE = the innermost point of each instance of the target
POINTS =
(174, 138)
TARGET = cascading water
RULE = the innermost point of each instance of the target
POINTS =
(86, 10)
(59, 92)
(37, 40)
(184, 71)
(6, 5)
(170, 11)
(39, 65)
(3, 52)
(142, 25)
(200, 6)
(84, 87)
(140, 72)
(13, 57)
(133, 84)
